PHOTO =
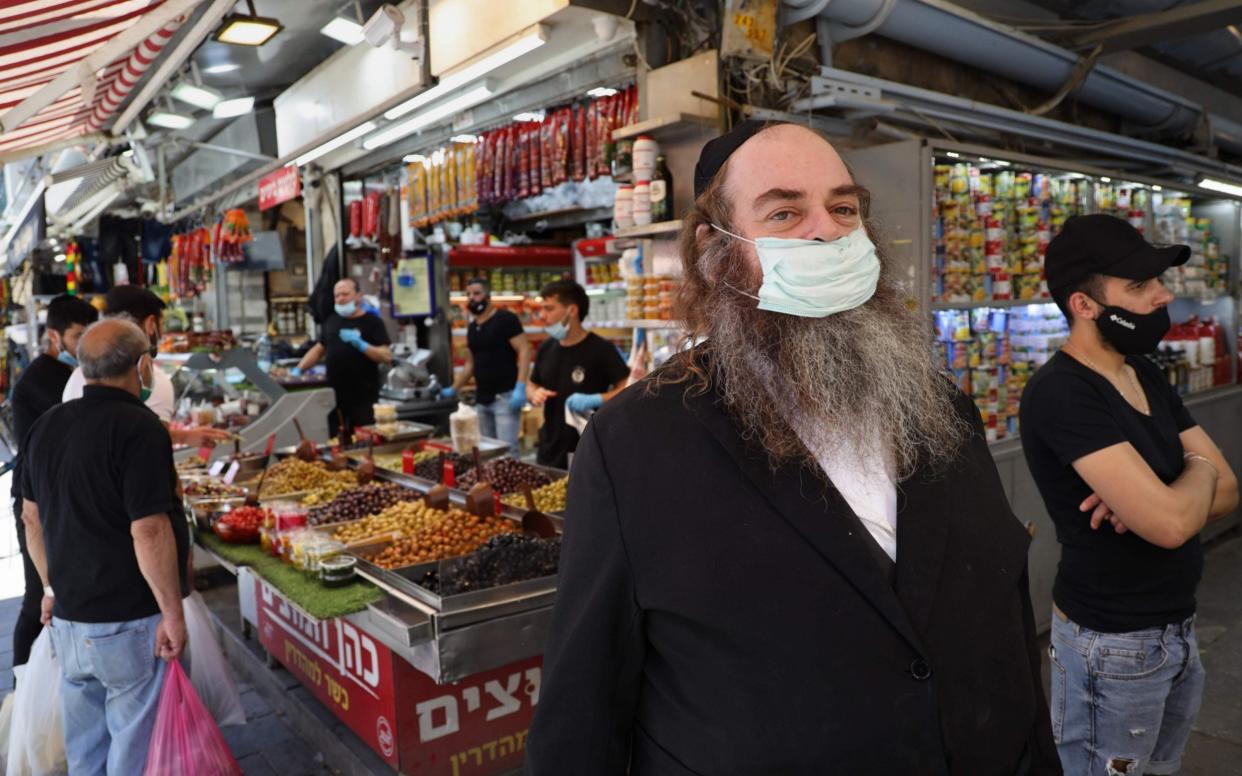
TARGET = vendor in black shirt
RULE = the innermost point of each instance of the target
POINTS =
(107, 534)
(1129, 480)
(37, 390)
(355, 344)
(498, 358)
(574, 369)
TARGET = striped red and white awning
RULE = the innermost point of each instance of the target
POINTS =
(75, 61)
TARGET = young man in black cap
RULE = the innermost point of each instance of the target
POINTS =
(1129, 480)
(788, 550)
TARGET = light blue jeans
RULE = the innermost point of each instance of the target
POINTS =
(1123, 703)
(498, 421)
(110, 690)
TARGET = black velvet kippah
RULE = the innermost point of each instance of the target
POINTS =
(717, 152)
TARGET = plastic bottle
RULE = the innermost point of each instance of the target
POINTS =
(646, 149)
(623, 206)
(642, 203)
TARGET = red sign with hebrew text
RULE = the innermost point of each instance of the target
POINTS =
(474, 727)
(279, 186)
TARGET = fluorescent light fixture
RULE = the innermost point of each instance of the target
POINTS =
(227, 67)
(952, 154)
(334, 143)
(601, 91)
(199, 96)
(472, 96)
(530, 116)
(347, 31)
(1157, 187)
(1211, 184)
(1000, 163)
(247, 29)
(235, 107)
(451, 82)
(169, 119)
(1105, 179)
(464, 139)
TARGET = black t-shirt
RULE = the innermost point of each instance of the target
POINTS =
(1107, 582)
(353, 376)
(495, 360)
(94, 466)
(591, 366)
(38, 389)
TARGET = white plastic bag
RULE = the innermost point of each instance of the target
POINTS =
(209, 672)
(464, 429)
(6, 725)
(37, 737)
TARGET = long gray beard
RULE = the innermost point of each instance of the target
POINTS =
(858, 380)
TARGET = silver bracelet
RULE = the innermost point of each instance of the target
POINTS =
(1196, 457)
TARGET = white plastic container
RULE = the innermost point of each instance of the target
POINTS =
(623, 206)
(642, 203)
(646, 149)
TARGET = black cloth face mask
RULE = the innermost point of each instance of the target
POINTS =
(1132, 334)
(477, 307)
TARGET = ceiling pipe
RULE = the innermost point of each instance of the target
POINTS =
(960, 35)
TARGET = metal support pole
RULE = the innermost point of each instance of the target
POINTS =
(311, 202)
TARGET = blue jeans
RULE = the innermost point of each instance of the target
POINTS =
(1123, 703)
(498, 421)
(110, 690)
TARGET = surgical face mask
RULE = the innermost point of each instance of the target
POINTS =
(559, 330)
(478, 306)
(1132, 334)
(65, 357)
(814, 279)
(346, 310)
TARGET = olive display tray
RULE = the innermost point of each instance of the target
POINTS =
(423, 485)
(459, 610)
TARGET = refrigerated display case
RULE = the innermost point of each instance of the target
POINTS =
(230, 390)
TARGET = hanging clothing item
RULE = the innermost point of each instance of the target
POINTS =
(156, 241)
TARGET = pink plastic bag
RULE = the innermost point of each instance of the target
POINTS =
(186, 740)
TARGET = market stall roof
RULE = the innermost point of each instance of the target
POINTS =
(67, 66)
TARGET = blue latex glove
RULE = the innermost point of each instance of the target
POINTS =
(447, 393)
(582, 403)
(354, 337)
(295, 372)
(517, 400)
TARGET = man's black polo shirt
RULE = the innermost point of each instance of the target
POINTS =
(94, 465)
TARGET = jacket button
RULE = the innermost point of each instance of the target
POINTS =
(920, 669)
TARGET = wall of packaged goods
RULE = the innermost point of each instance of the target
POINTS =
(970, 248)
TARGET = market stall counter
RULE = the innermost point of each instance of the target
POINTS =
(433, 654)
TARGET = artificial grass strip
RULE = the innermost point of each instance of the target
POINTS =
(320, 602)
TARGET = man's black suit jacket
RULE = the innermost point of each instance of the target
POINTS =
(714, 617)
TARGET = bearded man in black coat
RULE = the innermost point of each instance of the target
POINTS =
(788, 550)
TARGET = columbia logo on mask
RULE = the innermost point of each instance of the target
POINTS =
(1121, 321)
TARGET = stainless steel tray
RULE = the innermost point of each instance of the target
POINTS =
(406, 430)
